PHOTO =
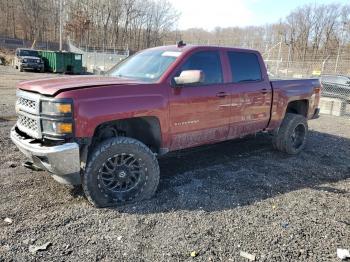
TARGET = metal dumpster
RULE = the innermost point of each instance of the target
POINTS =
(62, 62)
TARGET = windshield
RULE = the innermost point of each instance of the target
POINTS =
(28, 53)
(148, 65)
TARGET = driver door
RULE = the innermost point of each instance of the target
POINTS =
(200, 113)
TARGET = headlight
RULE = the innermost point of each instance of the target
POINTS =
(57, 117)
(56, 108)
(56, 127)
(24, 60)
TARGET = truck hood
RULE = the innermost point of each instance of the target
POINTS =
(53, 86)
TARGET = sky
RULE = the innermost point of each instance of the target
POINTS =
(208, 14)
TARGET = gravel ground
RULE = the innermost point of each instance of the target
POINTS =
(213, 200)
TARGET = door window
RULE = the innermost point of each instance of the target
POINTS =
(210, 64)
(245, 67)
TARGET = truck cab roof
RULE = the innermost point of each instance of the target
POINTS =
(190, 47)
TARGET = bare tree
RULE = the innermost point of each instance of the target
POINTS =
(308, 32)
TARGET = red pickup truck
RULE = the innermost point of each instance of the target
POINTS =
(106, 132)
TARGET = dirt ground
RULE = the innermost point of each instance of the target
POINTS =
(213, 200)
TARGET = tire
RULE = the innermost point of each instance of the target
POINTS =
(291, 136)
(120, 170)
(20, 69)
(42, 70)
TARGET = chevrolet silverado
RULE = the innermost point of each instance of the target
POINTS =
(105, 133)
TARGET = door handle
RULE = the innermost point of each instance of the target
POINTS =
(264, 91)
(221, 94)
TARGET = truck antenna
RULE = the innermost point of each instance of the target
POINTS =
(181, 43)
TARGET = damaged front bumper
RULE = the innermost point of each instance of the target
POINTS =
(63, 161)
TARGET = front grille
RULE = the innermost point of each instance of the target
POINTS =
(28, 113)
(30, 104)
(32, 61)
(27, 123)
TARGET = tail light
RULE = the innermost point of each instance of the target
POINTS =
(317, 90)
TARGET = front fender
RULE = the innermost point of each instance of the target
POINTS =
(95, 106)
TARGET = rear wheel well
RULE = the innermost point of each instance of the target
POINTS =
(145, 129)
(299, 107)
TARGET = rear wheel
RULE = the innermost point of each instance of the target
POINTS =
(291, 136)
(120, 170)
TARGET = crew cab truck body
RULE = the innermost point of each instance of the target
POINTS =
(105, 132)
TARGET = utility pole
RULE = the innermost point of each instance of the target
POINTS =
(279, 56)
(341, 42)
(289, 53)
(61, 23)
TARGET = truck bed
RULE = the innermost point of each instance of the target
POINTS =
(285, 91)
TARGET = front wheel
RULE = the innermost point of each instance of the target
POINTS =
(291, 136)
(120, 170)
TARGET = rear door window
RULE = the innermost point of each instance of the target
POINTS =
(207, 61)
(245, 67)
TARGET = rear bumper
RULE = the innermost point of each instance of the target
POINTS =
(63, 161)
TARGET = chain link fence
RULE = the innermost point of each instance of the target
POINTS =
(97, 60)
(335, 98)
(94, 59)
(334, 77)
(333, 70)
(305, 69)
(14, 43)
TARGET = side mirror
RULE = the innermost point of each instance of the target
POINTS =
(189, 77)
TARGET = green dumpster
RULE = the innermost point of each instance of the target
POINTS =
(62, 62)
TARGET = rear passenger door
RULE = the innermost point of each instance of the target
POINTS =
(251, 93)
(200, 113)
